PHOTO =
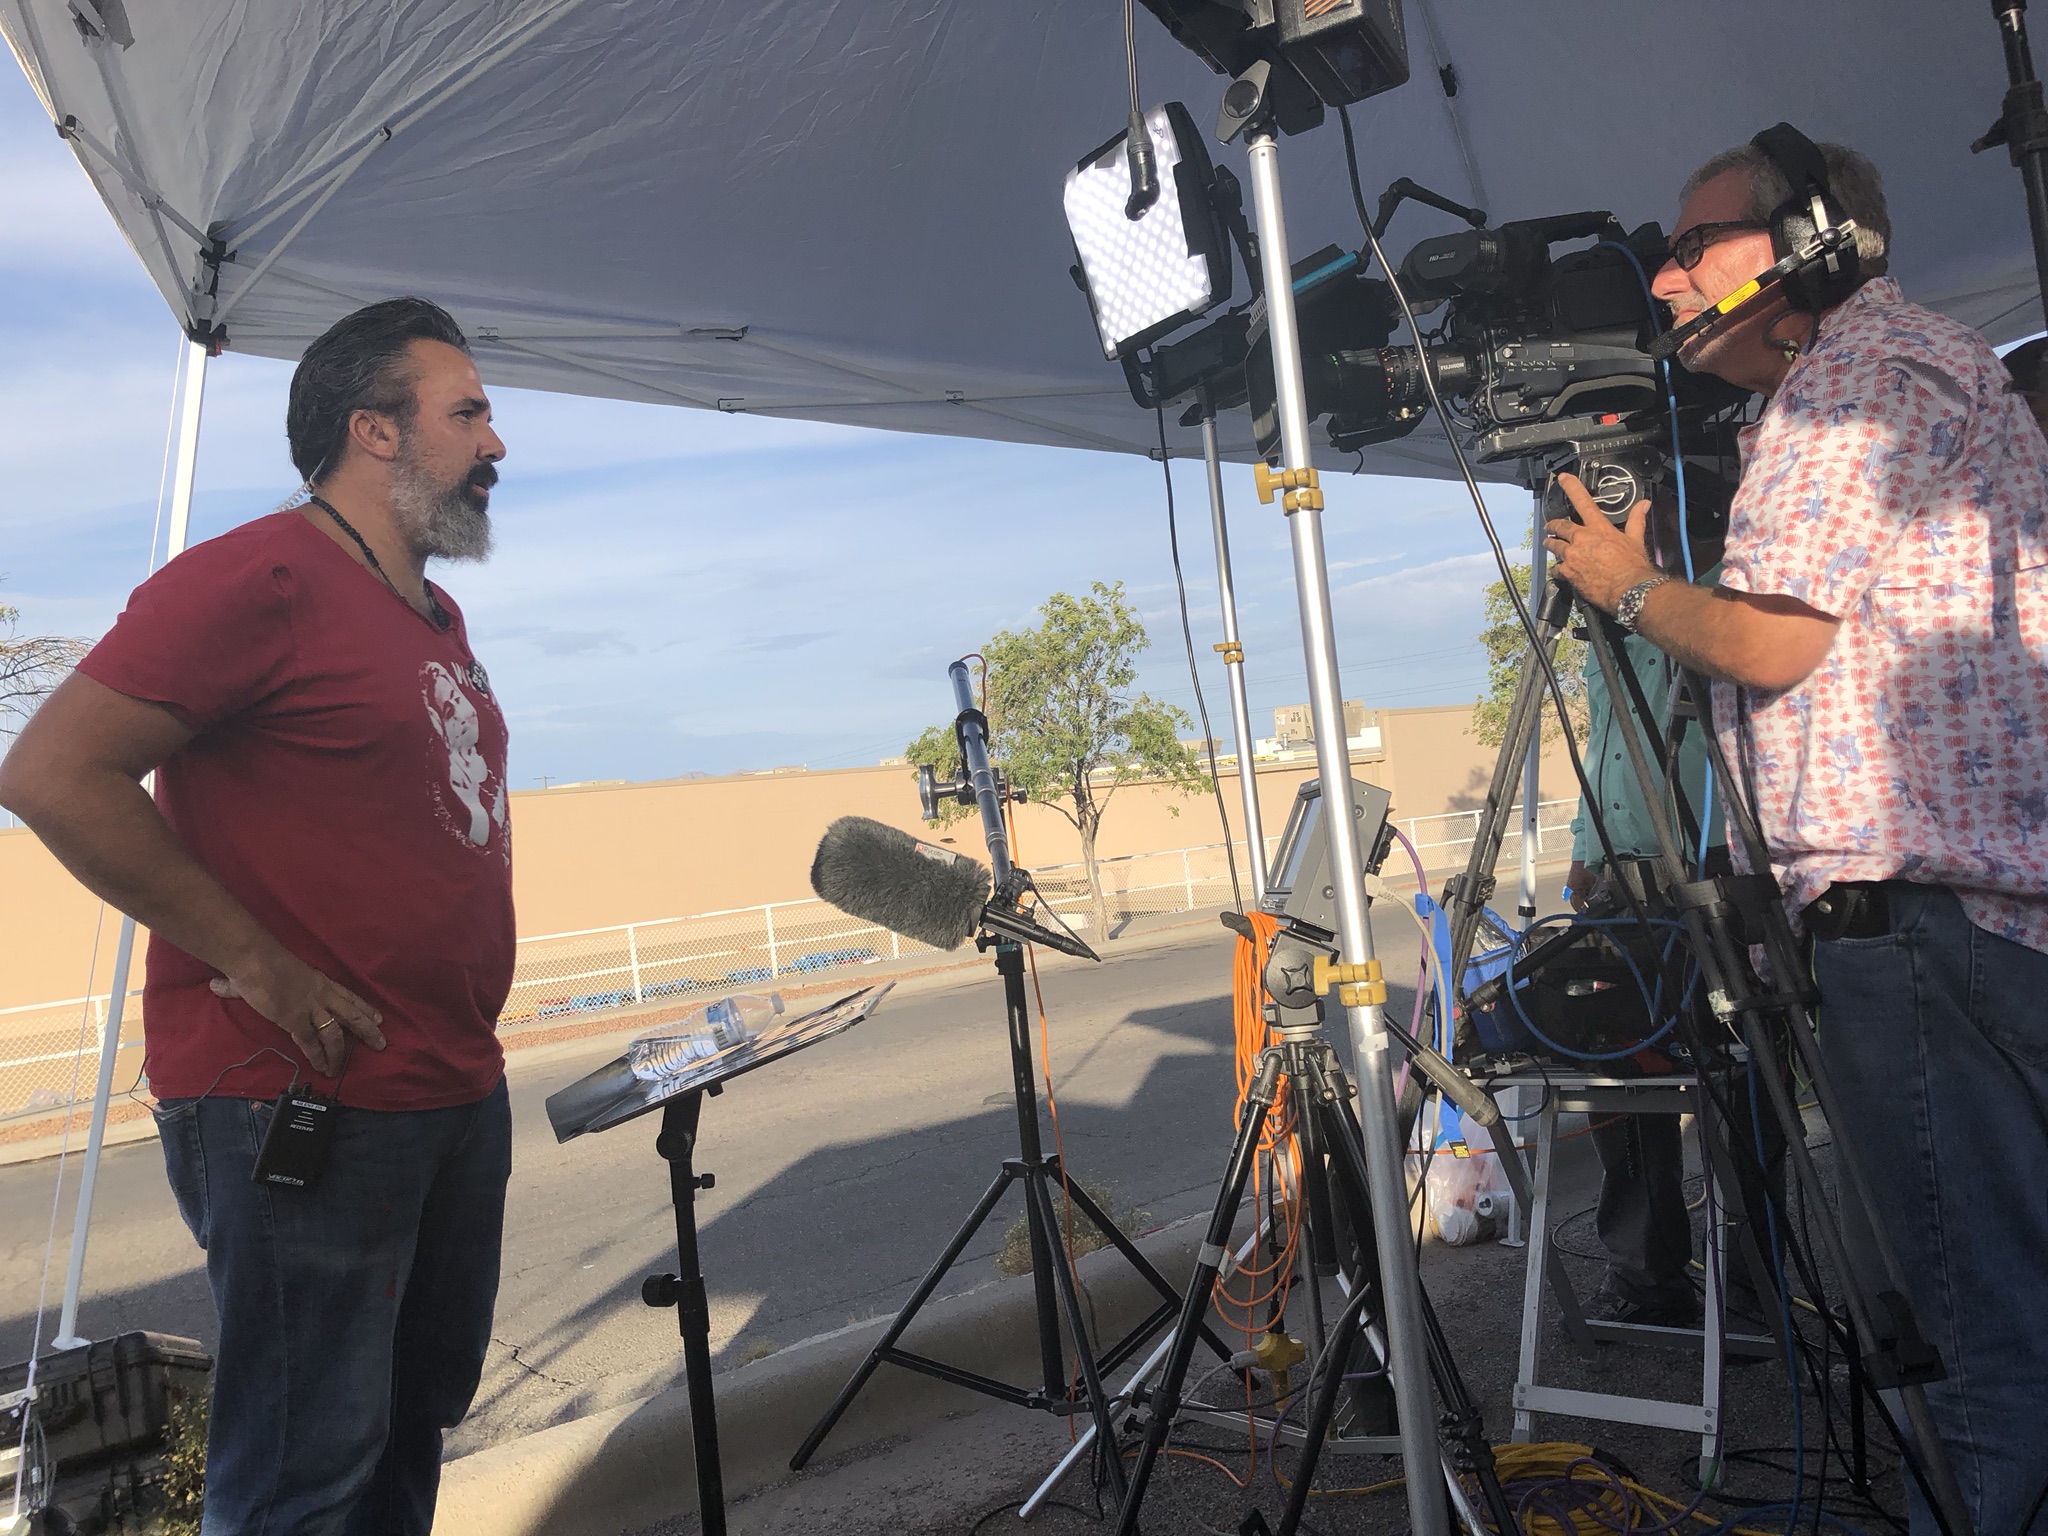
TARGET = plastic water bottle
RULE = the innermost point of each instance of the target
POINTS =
(702, 1033)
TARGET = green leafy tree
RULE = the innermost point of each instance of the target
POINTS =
(1506, 644)
(1064, 725)
(30, 667)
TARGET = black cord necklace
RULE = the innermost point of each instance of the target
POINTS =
(440, 619)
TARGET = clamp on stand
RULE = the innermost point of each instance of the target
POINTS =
(1303, 486)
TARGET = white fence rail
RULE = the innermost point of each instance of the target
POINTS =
(563, 975)
(1442, 846)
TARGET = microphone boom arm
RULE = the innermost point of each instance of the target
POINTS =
(970, 728)
(1003, 914)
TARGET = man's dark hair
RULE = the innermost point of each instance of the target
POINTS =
(359, 364)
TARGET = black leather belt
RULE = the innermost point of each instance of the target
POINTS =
(1850, 909)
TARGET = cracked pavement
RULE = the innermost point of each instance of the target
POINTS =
(840, 1173)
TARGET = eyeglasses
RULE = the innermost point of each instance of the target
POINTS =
(1689, 247)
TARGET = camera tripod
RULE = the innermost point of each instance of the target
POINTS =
(1340, 1214)
(1720, 919)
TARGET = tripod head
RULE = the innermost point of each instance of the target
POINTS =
(1301, 965)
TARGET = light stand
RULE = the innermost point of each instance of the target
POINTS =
(1055, 1294)
(2022, 127)
(1361, 988)
(1233, 653)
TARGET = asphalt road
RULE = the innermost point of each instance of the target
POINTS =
(840, 1174)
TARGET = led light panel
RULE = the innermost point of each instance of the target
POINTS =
(1145, 276)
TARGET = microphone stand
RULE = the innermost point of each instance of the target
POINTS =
(1056, 1294)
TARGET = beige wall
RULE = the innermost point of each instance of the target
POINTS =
(606, 854)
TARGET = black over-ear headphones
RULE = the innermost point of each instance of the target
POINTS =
(1798, 223)
(1813, 239)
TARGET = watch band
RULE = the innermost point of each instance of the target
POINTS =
(1629, 611)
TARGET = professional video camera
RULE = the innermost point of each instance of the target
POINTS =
(1544, 353)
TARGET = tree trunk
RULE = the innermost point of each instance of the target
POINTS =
(1098, 906)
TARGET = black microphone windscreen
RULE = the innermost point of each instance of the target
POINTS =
(882, 875)
(1666, 344)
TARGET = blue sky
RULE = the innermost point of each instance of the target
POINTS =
(680, 591)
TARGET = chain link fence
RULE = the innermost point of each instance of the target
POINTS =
(40, 1053)
(709, 954)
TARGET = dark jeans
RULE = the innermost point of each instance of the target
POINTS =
(354, 1316)
(1641, 1218)
(1936, 1036)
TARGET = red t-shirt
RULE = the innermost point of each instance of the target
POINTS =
(347, 785)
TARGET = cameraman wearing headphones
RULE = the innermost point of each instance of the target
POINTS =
(1879, 641)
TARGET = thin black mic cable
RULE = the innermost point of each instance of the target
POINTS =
(1187, 635)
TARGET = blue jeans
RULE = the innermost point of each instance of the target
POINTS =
(1936, 1035)
(354, 1316)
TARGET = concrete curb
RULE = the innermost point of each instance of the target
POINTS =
(632, 1467)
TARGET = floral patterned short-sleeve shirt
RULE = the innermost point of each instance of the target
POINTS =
(1897, 483)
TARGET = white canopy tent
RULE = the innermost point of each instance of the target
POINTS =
(849, 210)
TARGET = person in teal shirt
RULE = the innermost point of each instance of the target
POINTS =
(1641, 1218)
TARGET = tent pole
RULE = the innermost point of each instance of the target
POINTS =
(190, 394)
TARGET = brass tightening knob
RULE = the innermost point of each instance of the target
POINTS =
(1303, 487)
(1358, 986)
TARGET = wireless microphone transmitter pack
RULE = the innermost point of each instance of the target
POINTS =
(295, 1148)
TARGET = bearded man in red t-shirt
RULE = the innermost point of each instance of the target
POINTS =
(325, 871)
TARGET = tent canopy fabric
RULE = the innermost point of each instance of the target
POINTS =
(849, 210)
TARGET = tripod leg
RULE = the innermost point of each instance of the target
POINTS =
(1136, 1257)
(1038, 1191)
(1323, 1407)
(918, 1298)
(1201, 1285)
(1525, 716)
(1465, 1443)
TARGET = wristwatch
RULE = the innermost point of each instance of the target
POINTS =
(1629, 611)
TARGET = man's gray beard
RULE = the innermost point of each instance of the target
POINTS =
(437, 520)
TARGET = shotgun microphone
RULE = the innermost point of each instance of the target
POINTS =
(885, 876)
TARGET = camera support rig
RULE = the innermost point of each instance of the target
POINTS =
(1721, 919)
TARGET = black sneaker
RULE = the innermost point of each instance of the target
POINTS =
(1674, 1308)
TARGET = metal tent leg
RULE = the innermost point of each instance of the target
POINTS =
(191, 394)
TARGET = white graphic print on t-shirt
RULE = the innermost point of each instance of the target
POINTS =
(456, 725)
